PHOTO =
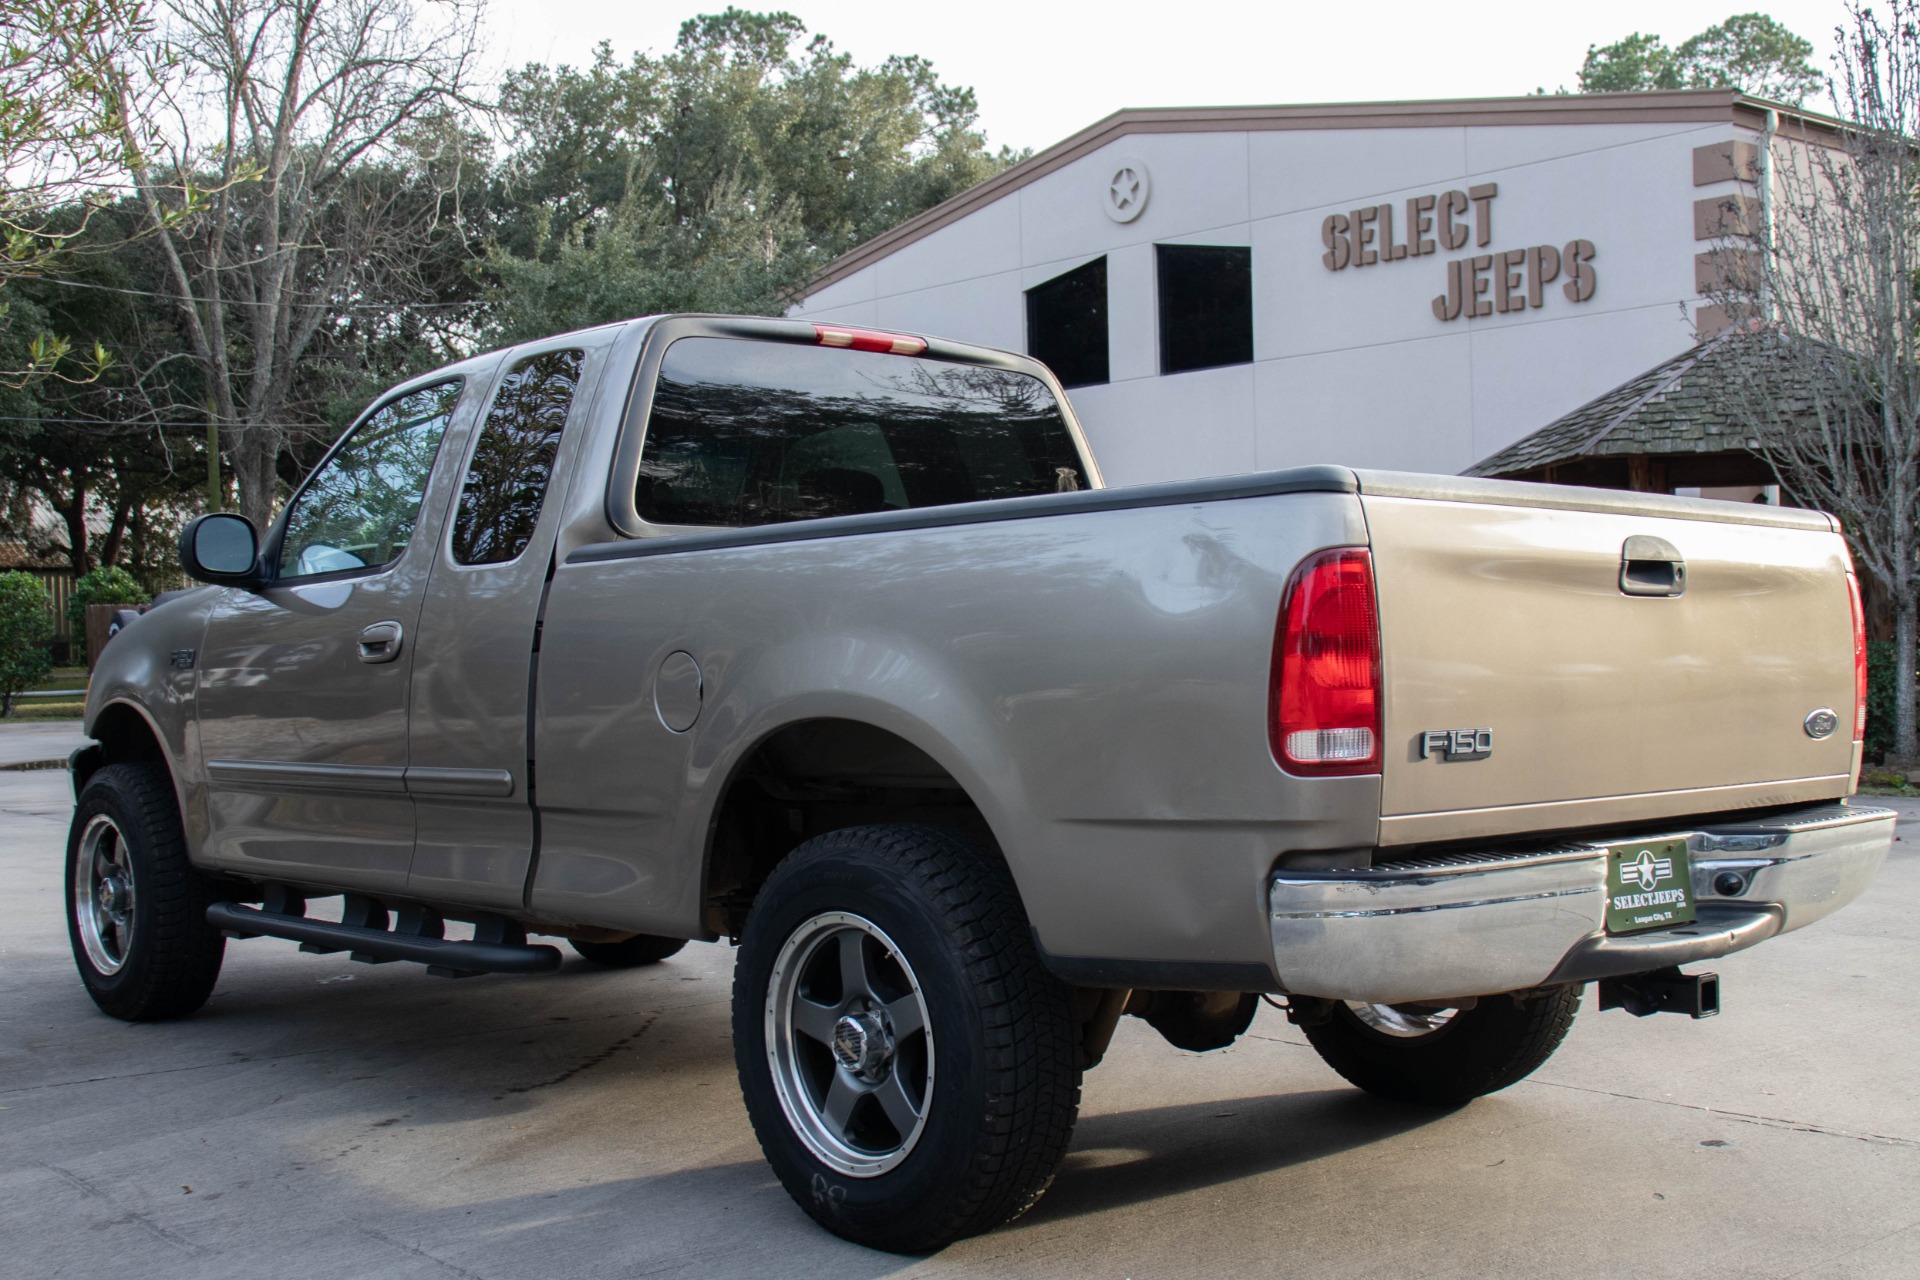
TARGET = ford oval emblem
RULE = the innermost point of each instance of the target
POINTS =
(1822, 723)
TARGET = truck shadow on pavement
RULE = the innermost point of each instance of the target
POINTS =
(1128, 1157)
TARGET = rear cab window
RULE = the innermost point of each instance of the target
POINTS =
(745, 433)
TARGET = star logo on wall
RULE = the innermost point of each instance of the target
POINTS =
(1127, 190)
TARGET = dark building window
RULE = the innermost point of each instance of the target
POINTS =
(1206, 306)
(1067, 324)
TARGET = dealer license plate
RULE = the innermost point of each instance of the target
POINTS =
(1649, 885)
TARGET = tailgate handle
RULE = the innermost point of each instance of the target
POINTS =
(1652, 567)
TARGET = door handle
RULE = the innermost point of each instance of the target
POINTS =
(1652, 567)
(380, 642)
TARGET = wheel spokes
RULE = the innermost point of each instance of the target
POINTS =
(855, 981)
(905, 1016)
(842, 1096)
(901, 1111)
(815, 1021)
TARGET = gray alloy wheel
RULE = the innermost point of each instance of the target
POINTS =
(136, 905)
(1440, 1057)
(1405, 1021)
(849, 1044)
(103, 895)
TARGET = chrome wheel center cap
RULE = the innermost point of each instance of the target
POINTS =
(861, 1043)
(112, 896)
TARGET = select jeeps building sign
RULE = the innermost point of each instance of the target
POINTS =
(1480, 285)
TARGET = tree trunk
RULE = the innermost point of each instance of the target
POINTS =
(254, 456)
(74, 515)
(1906, 634)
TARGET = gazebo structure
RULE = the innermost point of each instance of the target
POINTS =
(1666, 430)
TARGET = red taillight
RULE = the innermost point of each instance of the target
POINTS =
(1859, 659)
(899, 344)
(1324, 695)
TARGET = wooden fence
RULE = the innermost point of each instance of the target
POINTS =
(59, 585)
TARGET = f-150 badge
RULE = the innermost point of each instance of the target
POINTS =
(1456, 744)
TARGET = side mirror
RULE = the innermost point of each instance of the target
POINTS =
(221, 548)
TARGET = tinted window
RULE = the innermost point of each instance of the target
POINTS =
(358, 510)
(1206, 306)
(748, 433)
(1067, 324)
(513, 458)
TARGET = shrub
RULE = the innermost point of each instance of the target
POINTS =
(109, 584)
(26, 617)
(1879, 699)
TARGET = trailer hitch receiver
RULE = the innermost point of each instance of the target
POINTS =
(1663, 991)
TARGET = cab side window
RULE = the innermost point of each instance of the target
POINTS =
(513, 458)
(359, 509)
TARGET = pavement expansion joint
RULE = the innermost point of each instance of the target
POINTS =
(1745, 1117)
(450, 1267)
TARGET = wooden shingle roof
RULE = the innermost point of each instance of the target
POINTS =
(1677, 407)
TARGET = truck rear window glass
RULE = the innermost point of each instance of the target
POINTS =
(751, 433)
(513, 458)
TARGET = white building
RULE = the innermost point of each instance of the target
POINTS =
(1410, 285)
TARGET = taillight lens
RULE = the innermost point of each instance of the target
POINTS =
(1324, 694)
(1859, 659)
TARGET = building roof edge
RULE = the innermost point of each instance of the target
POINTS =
(1676, 106)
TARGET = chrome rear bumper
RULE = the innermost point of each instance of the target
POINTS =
(1470, 924)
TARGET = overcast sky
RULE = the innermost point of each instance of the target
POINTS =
(1045, 70)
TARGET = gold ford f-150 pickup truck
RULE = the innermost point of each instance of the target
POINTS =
(831, 642)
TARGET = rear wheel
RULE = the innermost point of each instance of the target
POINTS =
(1439, 1057)
(136, 908)
(641, 948)
(910, 1068)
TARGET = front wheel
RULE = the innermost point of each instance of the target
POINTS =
(1434, 1056)
(136, 908)
(909, 1066)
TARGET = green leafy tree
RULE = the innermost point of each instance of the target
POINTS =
(718, 176)
(25, 628)
(116, 456)
(65, 140)
(1749, 51)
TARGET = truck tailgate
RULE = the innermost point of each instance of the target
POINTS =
(1505, 616)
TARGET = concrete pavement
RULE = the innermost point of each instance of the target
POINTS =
(323, 1118)
(27, 741)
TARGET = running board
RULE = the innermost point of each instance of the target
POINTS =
(504, 951)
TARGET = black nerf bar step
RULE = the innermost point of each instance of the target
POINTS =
(498, 946)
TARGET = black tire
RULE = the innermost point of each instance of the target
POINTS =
(1498, 1042)
(163, 961)
(641, 948)
(1001, 1074)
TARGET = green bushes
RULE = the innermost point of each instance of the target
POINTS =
(26, 619)
(1879, 699)
(109, 584)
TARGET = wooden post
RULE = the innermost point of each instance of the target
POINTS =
(99, 619)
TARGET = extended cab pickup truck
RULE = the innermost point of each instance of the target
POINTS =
(831, 642)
